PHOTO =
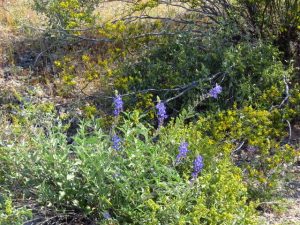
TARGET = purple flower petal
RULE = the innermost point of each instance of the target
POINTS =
(118, 105)
(214, 92)
(116, 142)
(183, 150)
(198, 166)
(161, 113)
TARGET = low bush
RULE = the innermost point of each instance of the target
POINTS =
(217, 151)
(246, 70)
(209, 172)
(67, 14)
(141, 181)
(255, 140)
(9, 215)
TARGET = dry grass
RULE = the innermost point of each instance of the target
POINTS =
(16, 13)
(109, 11)
(15, 18)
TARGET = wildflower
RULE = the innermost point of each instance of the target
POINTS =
(183, 150)
(106, 215)
(214, 92)
(116, 142)
(198, 166)
(118, 104)
(161, 112)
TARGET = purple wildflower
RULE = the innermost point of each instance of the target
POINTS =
(183, 150)
(161, 113)
(116, 142)
(198, 166)
(118, 104)
(106, 215)
(214, 92)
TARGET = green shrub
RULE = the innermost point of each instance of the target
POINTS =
(78, 72)
(141, 183)
(9, 215)
(246, 70)
(67, 14)
(273, 20)
(243, 151)
(252, 69)
(253, 139)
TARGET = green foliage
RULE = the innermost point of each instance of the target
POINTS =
(79, 72)
(271, 17)
(9, 215)
(246, 70)
(253, 69)
(139, 184)
(142, 181)
(172, 63)
(67, 14)
(242, 135)
(5, 164)
(253, 139)
(225, 183)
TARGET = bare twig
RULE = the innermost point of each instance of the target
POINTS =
(41, 53)
(290, 129)
(152, 34)
(238, 148)
(34, 221)
(287, 95)
(182, 88)
(194, 84)
(108, 40)
(143, 17)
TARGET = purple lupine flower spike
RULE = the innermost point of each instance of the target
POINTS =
(161, 112)
(214, 92)
(198, 166)
(118, 104)
(116, 140)
(183, 150)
